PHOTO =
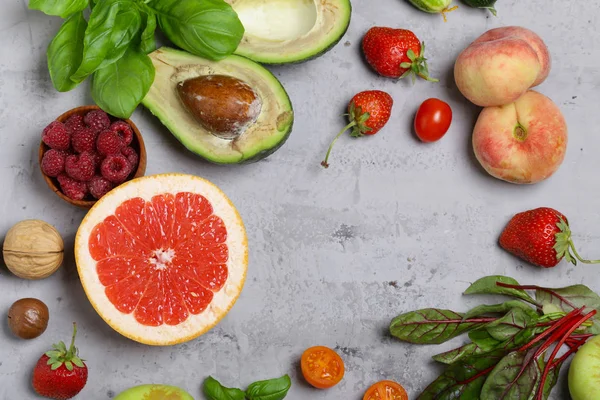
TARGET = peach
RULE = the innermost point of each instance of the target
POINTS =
(523, 142)
(501, 65)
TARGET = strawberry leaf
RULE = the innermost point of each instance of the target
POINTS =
(77, 361)
(55, 365)
(405, 65)
(411, 55)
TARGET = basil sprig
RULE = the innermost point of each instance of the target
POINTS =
(271, 389)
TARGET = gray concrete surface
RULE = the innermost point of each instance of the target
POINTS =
(392, 226)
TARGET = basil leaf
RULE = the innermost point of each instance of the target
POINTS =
(127, 26)
(147, 41)
(215, 391)
(432, 326)
(121, 86)
(65, 52)
(59, 8)
(273, 389)
(516, 376)
(569, 298)
(462, 380)
(97, 40)
(207, 28)
(487, 285)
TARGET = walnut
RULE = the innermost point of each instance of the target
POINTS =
(33, 249)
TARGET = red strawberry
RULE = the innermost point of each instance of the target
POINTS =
(541, 237)
(368, 112)
(395, 53)
(60, 374)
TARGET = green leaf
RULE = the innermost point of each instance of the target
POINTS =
(502, 308)
(128, 24)
(59, 8)
(121, 86)
(69, 365)
(462, 380)
(432, 326)
(452, 356)
(97, 40)
(147, 41)
(516, 376)
(65, 52)
(208, 28)
(53, 353)
(483, 340)
(569, 298)
(272, 389)
(55, 365)
(411, 55)
(487, 285)
(509, 325)
(77, 361)
(213, 390)
(405, 65)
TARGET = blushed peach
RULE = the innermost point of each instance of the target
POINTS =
(523, 142)
(501, 65)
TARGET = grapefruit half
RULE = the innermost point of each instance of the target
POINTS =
(162, 258)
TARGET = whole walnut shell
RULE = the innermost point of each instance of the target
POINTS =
(33, 249)
(28, 318)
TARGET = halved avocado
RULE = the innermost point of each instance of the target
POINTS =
(258, 137)
(290, 31)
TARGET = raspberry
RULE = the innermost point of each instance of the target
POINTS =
(74, 123)
(99, 186)
(56, 136)
(98, 158)
(97, 120)
(115, 168)
(80, 167)
(71, 188)
(132, 156)
(84, 140)
(109, 142)
(53, 162)
(124, 131)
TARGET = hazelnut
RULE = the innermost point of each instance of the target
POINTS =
(33, 249)
(28, 318)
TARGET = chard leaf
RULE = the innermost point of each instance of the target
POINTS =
(502, 308)
(509, 325)
(432, 325)
(452, 356)
(487, 285)
(569, 298)
(463, 379)
(516, 376)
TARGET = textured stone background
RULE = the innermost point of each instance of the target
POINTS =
(393, 224)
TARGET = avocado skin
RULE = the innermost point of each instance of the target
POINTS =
(310, 57)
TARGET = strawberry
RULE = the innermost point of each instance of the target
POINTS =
(395, 53)
(541, 237)
(60, 373)
(368, 112)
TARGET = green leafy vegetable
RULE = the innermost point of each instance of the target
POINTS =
(516, 376)
(208, 28)
(452, 356)
(213, 390)
(509, 325)
(432, 325)
(488, 285)
(273, 389)
(97, 41)
(121, 86)
(65, 52)
(502, 308)
(59, 8)
(128, 23)
(147, 41)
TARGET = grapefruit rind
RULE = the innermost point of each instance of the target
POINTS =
(196, 325)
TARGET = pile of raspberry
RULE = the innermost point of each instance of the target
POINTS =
(89, 154)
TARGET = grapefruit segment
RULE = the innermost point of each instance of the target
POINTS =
(162, 258)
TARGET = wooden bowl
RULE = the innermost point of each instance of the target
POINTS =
(137, 144)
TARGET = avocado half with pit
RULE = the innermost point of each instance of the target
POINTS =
(230, 111)
(290, 31)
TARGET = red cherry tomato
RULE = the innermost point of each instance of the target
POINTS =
(433, 120)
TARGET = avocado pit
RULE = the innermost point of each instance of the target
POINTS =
(223, 105)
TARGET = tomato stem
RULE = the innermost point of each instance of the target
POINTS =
(324, 163)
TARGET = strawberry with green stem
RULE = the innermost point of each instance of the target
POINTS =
(396, 53)
(60, 374)
(542, 237)
(368, 112)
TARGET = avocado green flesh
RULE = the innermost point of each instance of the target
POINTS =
(154, 392)
(270, 130)
(431, 6)
(290, 31)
